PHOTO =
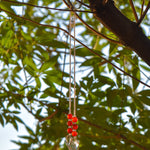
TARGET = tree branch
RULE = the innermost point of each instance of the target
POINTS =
(134, 11)
(83, 4)
(92, 51)
(23, 3)
(49, 117)
(127, 31)
(144, 14)
(142, 7)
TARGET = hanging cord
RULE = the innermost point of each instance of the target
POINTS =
(71, 138)
(25, 74)
(70, 26)
(74, 22)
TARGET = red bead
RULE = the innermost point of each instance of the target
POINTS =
(75, 126)
(69, 116)
(69, 130)
(74, 133)
(74, 119)
(69, 123)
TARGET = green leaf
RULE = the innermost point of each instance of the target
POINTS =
(144, 93)
(91, 61)
(112, 49)
(52, 91)
(133, 108)
(18, 119)
(1, 120)
(51, 42)
(82, 52)
(30, 131)
(29, 62)
(145, 67)
(119, 80)
(128, 89)
(106, 80)
(111, 96)
(30, 71)
(48, 81)
(145, 100)
(48, 64)
(138, 102)
(119, 111)
(6, 6)
(38, 82)
(135, 73)
(14, 123)
(26, 36)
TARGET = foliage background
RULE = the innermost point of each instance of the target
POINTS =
(113, 108)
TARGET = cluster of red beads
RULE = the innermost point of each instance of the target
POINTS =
(72, 125)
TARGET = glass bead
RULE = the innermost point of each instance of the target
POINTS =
(74, 133)
(74, 119)
(69, 123)
(69, 130)
(69, 116)
(75, 126)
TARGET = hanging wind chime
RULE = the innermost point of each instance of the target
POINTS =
(71, 139)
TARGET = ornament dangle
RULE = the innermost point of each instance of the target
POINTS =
(71, 139)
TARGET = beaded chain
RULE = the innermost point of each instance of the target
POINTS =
(71, 138)
(72, 119)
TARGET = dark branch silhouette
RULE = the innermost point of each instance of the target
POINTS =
(129, 33)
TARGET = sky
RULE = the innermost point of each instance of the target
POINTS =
(8, 133)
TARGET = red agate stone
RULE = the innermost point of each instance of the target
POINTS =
(69, 116)
(75, 126)
(69, 123)
(69, 130)
(74, 119)
(74, 133)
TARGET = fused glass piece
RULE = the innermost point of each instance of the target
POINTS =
(69, 116)
(72, 143)
(69, 123)
(74, 119)
(75, 126)
(74, 133)
(69, 130)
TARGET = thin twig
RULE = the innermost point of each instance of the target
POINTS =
(83, 4)
(144, 14)
(23, 3)
(49, 117)
(134, 11)
(142, 8)
(51, 26)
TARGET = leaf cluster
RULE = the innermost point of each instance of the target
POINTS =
(112, 108)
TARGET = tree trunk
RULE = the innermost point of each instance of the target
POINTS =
(129, 33)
